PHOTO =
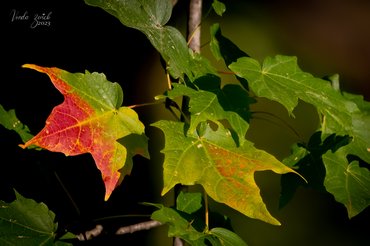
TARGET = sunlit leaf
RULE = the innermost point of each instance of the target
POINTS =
(230, 103)
(90, 120)
(224, 170)
(280, 79)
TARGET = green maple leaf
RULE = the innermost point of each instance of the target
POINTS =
(150, 17)
(224, 170)
(91, 120)
(280, 79)
(348, 182)
(361, 128)
(26, 222)
(230, 103)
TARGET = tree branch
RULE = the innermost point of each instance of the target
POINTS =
(138, 227)
(195, 18)
(147, 225)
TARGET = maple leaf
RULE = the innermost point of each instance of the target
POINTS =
(347, 181)
(91, 120)
(216, 105)
(26, 222)
(224, 170)
(280, 79)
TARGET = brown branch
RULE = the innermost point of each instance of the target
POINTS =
(195, 18)
(138, 227)
(90, 234)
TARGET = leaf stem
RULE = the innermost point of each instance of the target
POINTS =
(206, 210)
(226, 72)
(144, 104)
(169, 84)
(121, 216)
(291, 128)
(68, 194)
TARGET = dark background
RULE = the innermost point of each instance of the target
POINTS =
(327, 36)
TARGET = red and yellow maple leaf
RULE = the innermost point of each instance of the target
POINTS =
(91, 120)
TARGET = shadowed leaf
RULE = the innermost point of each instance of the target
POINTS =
(348, 182)
(150, 18)
(10, 121)
(26, 222)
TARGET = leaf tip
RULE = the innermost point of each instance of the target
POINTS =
(106, 197)
(23, 146)
(36, 67)
(305, 180)
(31, 66)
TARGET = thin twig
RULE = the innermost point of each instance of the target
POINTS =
(68, 194)
(122, 216)
(291, 128)
(144, 104)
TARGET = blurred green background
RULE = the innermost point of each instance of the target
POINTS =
(327, 37)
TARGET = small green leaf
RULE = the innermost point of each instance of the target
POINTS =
(25, 222)
(10, 121)
(189, 202)
(219, 7)
(230, 103)
(178, 226)
(227, 237)
(348, 182)
(298, 153)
